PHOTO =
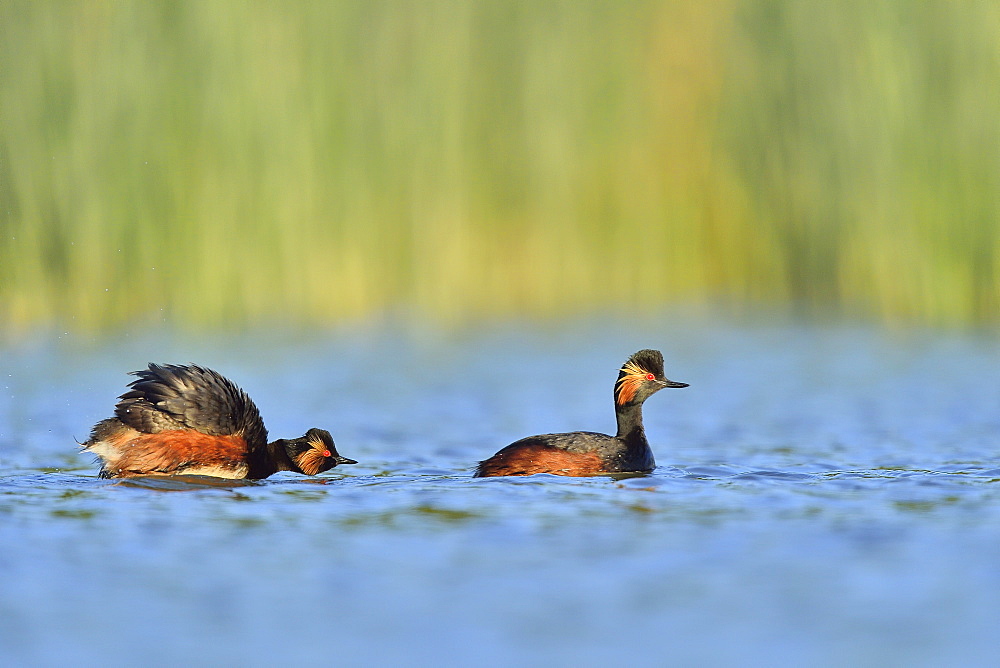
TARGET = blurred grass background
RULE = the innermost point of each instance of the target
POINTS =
(229, 163)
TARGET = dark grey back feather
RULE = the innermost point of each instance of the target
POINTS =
(166, 397)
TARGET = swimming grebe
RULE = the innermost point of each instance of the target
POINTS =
(189, 420)
(585, 453)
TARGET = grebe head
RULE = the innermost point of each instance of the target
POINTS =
(641, 376)
(315, 452)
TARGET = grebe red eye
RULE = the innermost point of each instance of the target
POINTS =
(650, 376)
(326, 453)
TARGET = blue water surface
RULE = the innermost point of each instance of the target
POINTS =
(826, 495)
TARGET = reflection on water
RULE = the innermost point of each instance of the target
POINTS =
(824, 496)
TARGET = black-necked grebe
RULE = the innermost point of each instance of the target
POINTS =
(188, 420)
(585, 453)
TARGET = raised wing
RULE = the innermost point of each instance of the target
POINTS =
(170, 397)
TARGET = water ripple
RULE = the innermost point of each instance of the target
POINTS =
(850, 499)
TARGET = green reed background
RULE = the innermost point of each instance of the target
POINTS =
(211, 162)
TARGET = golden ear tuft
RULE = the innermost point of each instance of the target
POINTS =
(311, 461)
(629, 383)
